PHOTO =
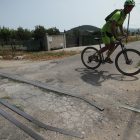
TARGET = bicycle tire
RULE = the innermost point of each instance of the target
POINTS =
(86, 52)
(128, 69)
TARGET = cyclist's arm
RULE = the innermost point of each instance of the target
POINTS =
(121, 29)
(113, 24)
(113, 28)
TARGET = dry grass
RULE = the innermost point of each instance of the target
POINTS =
(7, 54)
(48, 55)
(39, 56)
(132, 39)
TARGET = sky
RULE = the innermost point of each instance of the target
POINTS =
(62, 14)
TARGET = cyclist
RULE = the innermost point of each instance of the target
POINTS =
(108, 30)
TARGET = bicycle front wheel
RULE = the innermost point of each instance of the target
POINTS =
(130, 67)
(86, 57)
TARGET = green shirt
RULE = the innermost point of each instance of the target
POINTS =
(116, 16)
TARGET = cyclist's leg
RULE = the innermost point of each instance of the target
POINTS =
(107, 47)
(112, 45)
(107, 40)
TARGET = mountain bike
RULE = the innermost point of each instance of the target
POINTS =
(127, 61)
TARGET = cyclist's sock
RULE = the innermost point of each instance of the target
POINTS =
(96, 54)
(95, 57)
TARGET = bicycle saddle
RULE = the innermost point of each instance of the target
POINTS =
(97, 39)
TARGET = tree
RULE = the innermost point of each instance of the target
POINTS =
(27, 34)
(39, 32)
(5, 34)
(14, 35)
(53, 31)
(0, 35)
(133, 33)
(68, 35)
(20, 33)
(96, 33)
(76, 32)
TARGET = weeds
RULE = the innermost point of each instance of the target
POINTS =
(7, 54)
(2, 77)
(16, 81)
(19, 107)
(50, 55)
(45, 55)
(47, 90)
(5, 98)
(30, 52)
(135, 39)
(37, 128)
(73, 53)
(138, 65)
(61, 53)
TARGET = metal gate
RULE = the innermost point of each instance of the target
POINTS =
(73, 41)
(89, 40)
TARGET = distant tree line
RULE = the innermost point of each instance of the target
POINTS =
(7, 34)
(25, 34)
(76, 32)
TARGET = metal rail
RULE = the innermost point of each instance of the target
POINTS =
(50, 88)
(123, 106)
(47, 127)
(21, 126)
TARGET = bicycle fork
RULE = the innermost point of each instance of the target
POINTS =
(125, 55)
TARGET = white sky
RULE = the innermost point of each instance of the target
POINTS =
(62, 14)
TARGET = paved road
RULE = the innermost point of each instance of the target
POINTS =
(68, 112)
(135, 45)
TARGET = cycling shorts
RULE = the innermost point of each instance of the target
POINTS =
(107, 37)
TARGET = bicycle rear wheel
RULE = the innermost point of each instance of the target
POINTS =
(132, 67)
(87, 61)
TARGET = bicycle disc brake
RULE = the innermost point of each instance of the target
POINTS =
(129, 62)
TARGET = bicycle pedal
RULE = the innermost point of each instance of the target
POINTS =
(108, 60)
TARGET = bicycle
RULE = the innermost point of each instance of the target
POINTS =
(127, 61)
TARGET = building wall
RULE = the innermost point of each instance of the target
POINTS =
(55, 41)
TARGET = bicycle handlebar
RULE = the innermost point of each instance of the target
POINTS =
(120, 40)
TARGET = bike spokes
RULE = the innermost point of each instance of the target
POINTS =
(88, 59)
(128, 64)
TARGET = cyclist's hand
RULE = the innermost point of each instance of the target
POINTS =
(124, 34)
(118, 38)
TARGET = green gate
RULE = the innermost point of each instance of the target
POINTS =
(89, 40)
(36, 45)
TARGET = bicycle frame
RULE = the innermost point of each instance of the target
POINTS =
(117, 44)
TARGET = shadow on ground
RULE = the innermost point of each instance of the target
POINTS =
(96, 78)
